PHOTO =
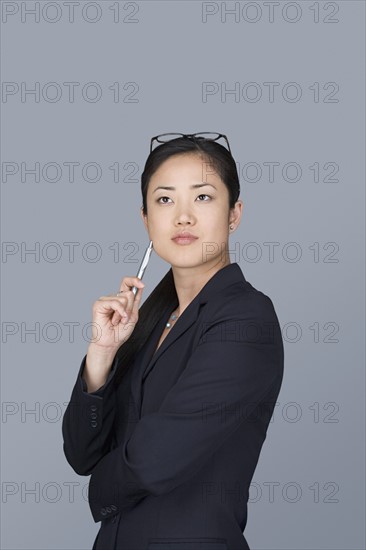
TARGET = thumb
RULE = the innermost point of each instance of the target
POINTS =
(138, 296)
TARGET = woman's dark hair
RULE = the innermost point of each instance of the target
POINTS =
(164, 295)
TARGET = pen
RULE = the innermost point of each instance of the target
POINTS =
(143, 265)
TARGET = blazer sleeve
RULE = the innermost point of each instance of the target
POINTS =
(87, 422)
(235, 365)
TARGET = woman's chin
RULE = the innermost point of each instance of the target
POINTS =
(183, 258)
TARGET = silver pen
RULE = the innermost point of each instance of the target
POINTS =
(143, 265)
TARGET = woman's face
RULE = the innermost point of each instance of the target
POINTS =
(202, 211)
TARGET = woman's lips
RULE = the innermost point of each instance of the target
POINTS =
(184, 240)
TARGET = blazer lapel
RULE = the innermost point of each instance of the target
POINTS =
(228, 275)
(150, 356)
(188, 317)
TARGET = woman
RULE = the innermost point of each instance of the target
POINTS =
(173, 399)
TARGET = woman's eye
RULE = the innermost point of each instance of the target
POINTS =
(201, 195)
(159, 199)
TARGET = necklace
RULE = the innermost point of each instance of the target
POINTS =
(173, 317)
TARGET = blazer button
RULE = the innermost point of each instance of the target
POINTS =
(109, 510)
(103, 511)
(113, 507)
(93, 424)
(93, 415)
(93, 407)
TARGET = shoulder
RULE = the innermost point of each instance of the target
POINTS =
(241, 313)
(240, 300)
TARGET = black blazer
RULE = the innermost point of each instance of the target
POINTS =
(173, 449)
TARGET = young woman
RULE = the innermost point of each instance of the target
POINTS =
(172, 401)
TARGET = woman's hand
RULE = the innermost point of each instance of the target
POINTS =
(115, 317)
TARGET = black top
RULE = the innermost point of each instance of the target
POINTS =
(173, 449)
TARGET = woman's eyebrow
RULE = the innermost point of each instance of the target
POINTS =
(195, 186)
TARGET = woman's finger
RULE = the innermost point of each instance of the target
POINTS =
(136, 303)
(131, 308)
(128, 283)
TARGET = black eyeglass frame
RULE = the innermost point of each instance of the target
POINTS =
(189, 136)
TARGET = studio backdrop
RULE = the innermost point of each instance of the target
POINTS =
(85, 85)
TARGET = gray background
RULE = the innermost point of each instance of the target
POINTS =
(313, 458)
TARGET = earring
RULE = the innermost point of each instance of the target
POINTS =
(231, 227)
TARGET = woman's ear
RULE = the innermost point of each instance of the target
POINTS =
(144, 218)
(236, 212)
